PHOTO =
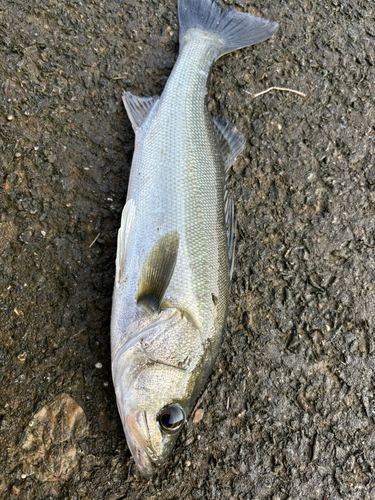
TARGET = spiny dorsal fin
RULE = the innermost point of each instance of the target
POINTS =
(157, 271)
(138, 108)
(127, 223)
(230, 140)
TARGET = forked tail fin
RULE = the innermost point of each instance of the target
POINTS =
(234, 29)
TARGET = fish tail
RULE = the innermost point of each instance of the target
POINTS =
(234, 29)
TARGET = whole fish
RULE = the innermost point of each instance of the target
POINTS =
(176, 242)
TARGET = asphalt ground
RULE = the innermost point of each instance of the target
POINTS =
(289, 408)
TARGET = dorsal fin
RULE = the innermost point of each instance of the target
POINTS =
(230, 140)
(124, 233)
(157, 271)
(138, 108)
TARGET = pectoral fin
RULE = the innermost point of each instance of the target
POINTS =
(157, 271)
(123, 237)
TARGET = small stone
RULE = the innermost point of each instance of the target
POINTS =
(257, 125)
(98, 365)
(198, 415)
(189, 441)
(10, 118)
(6, 184)
(243, 467)
(17, 155)
(51, 157)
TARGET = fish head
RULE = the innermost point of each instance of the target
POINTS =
(151, 435)
(153, 414)
(155, 389)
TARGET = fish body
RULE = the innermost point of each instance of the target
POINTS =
(175, 253)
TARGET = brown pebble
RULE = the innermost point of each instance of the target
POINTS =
(198, 415)
(6, 184)
(15, 490)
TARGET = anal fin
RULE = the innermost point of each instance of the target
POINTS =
(157, 271)
(231, 224)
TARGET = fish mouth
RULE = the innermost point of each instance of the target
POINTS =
(138, 439)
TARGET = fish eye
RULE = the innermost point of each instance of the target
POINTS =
(171, 418)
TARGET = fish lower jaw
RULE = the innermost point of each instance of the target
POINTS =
(146, 460)
(142, 460)
(146, 470)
